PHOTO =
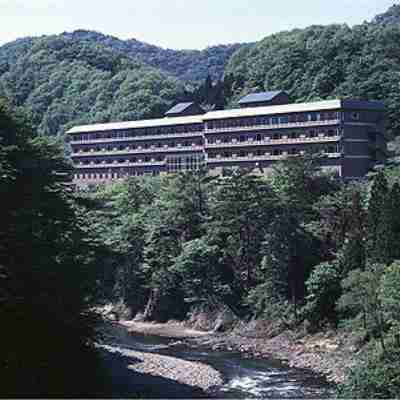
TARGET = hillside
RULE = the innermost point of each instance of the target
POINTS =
(187, 65)
(322, 62)
(64, 81)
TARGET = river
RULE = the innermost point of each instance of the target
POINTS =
(243, 377)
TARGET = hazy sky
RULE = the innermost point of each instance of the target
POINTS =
(179, 23)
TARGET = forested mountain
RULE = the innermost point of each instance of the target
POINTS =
(187, 65)
(64, 81)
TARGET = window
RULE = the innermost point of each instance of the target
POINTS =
(314, 116)
(258, 137)
(276, 136)
(331, 149)
(331, 132)
(284, 119)
(277, 152)
(355, 116)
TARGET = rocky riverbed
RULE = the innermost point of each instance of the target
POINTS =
(186, 372)
(329, 353)
(174, 362)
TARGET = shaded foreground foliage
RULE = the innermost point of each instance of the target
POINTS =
(47, 330)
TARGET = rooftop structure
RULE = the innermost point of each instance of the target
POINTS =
(182, 109)
(349, 133)
(264, 99)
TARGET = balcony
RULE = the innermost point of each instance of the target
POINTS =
(272, 142)
(152, 150)
(121, 165)
(174, 135)
(256, 158)
(306, 124)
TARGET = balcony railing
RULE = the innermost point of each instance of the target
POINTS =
(152, 150)
(274, 126)
(140, 138)
(256, 158)
(121, 165)
(272, 142)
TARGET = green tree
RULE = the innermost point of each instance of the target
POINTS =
(390, 297)
(323, 291)
(353, 253)
(241, 208)
(361, 298)
(45, 272)
(205, 280)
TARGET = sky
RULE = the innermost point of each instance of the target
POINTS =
(180, 24)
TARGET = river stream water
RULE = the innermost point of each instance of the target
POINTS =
(243, 377)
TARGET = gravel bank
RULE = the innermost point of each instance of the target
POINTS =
(171, 329)
(186, 372)
(320, 353)
(329, 354)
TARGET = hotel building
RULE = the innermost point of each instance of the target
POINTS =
(349, 134)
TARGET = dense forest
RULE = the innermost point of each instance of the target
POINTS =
(186, 65)
(297, 248)
(62, 81)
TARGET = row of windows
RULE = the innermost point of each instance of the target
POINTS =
(312, 133)
(114, 175)
(121, 160)
(275, 120)
(276, 152)
(188, 163)
(145, 146)
(128, 133)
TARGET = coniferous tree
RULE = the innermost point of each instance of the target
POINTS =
(376, 206)
(394, 216)
(353, 252)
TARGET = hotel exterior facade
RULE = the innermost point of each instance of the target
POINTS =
(349, 134)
